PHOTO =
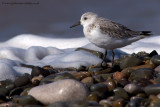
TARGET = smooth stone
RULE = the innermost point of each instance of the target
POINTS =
(111, 84)
(122, 82)
(156, 60)
(142, 95)
(24, 100)
(135, 102)
(132, 88)
(53, 78)
(21, 81)
(119, 103)
(130, 62)
(153, 53)
(16, 91)
(95, 71)
(137, 67)
(157, 69)
(152, 89)
(78, 104)
(25, 92)
(102, 77)
(121, 93)
(58, 104)
(142, 54)
(142, 82)
(93, 97)
(81, 75)
(118, 75)
(106, 103)
(87, 80)
(61, 90)
(100, 89)
(145, 73)
(6, 86)
(36, 71)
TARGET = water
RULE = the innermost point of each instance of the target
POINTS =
(53, 17)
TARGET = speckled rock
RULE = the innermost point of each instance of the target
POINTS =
(118, 75)
(62, 90)
(130, 62)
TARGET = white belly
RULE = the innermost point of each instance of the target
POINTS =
(105, 41)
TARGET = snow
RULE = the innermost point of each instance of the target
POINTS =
(57, 52)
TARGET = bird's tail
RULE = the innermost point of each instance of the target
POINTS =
(145, 33)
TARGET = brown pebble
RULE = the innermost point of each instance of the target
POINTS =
(40, 77)
(87, 80)
(118, 75)
(118, 103)
(137, 67)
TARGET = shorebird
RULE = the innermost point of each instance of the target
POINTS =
(108, 34)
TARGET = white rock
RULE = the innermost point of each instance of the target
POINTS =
(62, 90)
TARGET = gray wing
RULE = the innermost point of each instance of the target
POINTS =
(116, 30)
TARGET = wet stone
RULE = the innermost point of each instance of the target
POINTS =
(93, 97)
(58, 104)
(122, 83)
(138, 74)
(16, 91)
(119, 103)
(132, 88)
(105, 103)
(96, 71)
(135, 102)
(111, 84)
(130, 62)
(100, 89)
(24, 100)
(118, 75)
(121, 93)
(152, 89)
(36, 71)
(156, 60)
(102, 77)
(21, 81)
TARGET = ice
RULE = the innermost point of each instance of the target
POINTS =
(57, 52)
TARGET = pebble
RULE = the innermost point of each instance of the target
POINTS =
(152, 89)
(111, 84)
(132, 88)
(138, 74)
(156, 60)
(24, 100)
(62, 90)
(118, 75)
(130, 62)
(21, 81)
(120, 92)
(100, 89)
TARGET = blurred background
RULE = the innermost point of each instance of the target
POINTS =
(52, 18)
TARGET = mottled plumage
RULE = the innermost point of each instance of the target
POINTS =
(107, 34)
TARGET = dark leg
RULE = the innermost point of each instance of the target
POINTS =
(113, 57)
(104, 57)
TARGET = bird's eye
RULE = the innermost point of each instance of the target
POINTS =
(85, 18)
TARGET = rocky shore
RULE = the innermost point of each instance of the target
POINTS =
(133, 81)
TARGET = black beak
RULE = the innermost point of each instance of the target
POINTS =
(76, 24)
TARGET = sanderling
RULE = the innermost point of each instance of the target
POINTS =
(107, 34)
